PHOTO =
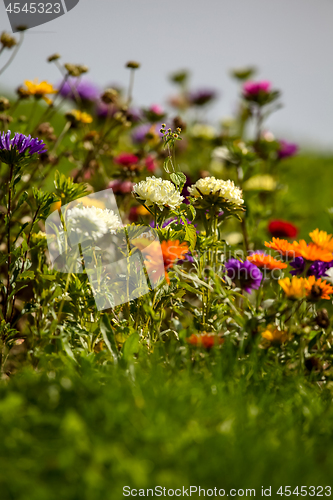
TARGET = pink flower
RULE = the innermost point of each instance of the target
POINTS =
(126, 159)
(150, 163)
(157, 109)
(126, 187)
(115, 185)
(252, 89)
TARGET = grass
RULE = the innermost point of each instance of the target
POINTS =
(79, 433)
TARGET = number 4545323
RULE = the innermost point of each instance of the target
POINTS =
(311, 491)
(33, 7)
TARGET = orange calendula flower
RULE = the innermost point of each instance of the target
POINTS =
(273, 336)
(312, 252)
(266, 261)
(40, 90)
(322, 239)
(206, 340)
(294, 288)
(170, 251)
(282, 246)
(317, 289)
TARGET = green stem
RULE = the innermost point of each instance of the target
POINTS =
(8, 238)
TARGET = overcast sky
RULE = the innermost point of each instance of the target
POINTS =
(290, 41)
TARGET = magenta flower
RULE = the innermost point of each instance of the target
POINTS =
(126, 159)
(253, 89)
(287, 149)
(150, 163)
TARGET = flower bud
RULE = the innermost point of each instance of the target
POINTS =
(109, 96)
(322, 318)
(7, 40)
(4, 104)
(133, 65)
(54, 57)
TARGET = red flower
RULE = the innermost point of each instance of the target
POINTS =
(282, 229)
(206, 340)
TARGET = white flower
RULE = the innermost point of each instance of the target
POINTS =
(158, 192)
(221, 153)
(328, 276)
(90, 222)
(211, 186)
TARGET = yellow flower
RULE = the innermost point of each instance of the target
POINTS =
(273, 336)
(260, 183)
(294, 288)
(40, 90)
(322, 239)
(81, 116)
(317, 289)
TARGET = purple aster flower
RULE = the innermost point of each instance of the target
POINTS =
(86, 90)
(287, 149)
(202, 96)
(11, 150)
(317, 269)
(244, 274)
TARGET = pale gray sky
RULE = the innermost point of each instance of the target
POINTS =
(290, 41)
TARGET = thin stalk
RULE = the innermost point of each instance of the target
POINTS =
(8, 238)
(12, 57)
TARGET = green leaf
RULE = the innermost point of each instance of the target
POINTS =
(191, 236)
(166, 163)
(131, 346)
(21, 200)
(108, 336)
(26, 275)
(179, 179)
(190, 288)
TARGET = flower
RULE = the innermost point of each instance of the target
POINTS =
(91, 222)
(206, 340)
(322, 239)
(172, 251)
(294, 288)
(147, 131)
(286, 149)
(317, 289)
(40, 90)
(79, 116)
(126, 159)
(13, 150)
(201, 97)
(266, 261)
(260, 183)
(217, 187)
(283, 247)
(317, 269)
(245, 274)
(274, 336)
(85, 90)
(311, 251)
(118, 186)
(282, 229)
(150, 163)
(159, 192)
(253, 89)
